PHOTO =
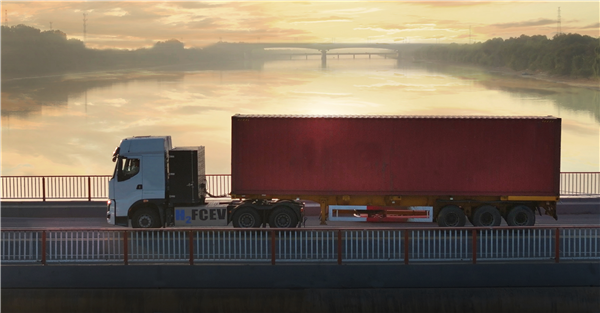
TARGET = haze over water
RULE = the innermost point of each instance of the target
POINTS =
(70, 125)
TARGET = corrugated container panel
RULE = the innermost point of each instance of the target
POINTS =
(395, 155)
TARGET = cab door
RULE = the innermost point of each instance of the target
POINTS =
(127, 183)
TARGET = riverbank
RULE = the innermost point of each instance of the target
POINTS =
(589, 83)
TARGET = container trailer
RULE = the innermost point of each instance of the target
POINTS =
(483, 169)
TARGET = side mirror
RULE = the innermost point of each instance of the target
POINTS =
(115, 154)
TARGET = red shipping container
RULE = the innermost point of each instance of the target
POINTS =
(395, 155)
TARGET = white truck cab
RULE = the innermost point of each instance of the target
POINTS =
(151, 177)
(139, 178)
(155, 185)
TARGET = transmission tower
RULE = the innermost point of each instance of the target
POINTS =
(50, 25)
(84, 26)
(5, 17)
(558, 26)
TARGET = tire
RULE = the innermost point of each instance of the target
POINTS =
(246, 218)
(521, 215)
(145, 218)
(283, 217)
(486, 215)
(451, 216)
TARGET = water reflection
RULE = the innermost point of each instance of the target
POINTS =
(22, 97)
(564, 97)
(70, 124)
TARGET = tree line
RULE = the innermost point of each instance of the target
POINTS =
(570, 55)
(28, 51)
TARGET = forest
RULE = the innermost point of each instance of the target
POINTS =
(28, 52)
(570, 55)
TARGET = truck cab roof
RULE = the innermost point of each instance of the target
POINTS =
(145, 145)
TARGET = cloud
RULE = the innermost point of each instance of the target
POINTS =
(353, 11)
(449, 4)
(117, 12)
(407, 28)
(539, 22)
(593, 26)
(323, 94)
(118, 102)
(321, 20)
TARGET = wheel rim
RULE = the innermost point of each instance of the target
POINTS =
(145, 221)
(487, 219)
(452, 219)
(282, 220)
(521, 219)
(247, 220)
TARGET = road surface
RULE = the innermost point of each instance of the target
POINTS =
(77, 214)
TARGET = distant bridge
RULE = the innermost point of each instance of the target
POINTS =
(319, 46)
(256, 50)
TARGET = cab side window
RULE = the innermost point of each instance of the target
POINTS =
(127, 168)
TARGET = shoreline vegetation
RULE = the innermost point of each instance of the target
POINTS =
(29, 53)
(590, 83)
(570, 59)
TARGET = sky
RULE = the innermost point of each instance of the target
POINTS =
(139, 24)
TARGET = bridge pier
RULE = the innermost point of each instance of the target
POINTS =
(323, 58)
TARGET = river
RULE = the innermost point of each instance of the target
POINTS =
(70, 124)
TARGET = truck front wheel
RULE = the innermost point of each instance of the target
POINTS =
(246, 218)
(283, 217)
(451, 216)
(520, 215)
(145, 218)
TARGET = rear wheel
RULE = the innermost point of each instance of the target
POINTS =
(521, 215)
(283, 217)
(246, 218)
(145, 218)
(451, 216)
(486, 215)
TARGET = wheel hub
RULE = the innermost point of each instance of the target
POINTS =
(452, 219)
(521, 219)
(282, 220)
(247, 220)
(145, 221)
(487, 219)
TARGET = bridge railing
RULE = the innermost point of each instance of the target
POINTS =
(95, 187)
(580, 183)
(81, 187)
(400, 245)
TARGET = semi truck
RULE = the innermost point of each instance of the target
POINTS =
(476, 168)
